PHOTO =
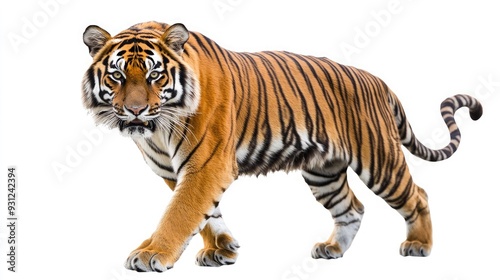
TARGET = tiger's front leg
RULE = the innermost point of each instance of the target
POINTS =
(220, 247)
(194, 202)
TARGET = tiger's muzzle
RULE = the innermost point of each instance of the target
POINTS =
(136, 121)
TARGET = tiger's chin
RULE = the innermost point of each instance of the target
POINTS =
(137, 128)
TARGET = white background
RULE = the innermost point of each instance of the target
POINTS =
(83, 223)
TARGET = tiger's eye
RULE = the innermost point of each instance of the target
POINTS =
(154, 75)
(117, 75)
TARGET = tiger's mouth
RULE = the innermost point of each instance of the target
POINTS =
(137, 126)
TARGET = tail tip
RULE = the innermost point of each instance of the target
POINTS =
(476, 112)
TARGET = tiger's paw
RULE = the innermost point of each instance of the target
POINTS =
(415, 249)
(224, 253)
(215, 257)
(327, 250)
(149, 258)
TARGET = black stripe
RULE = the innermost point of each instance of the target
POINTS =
(90, 78)
(155, 148)
(201, 44)
(160, 165)
(245, 96)
(339, 90)
(343, 212)
(305, 107)
(333, 203)
(401, 200)
(186, 125)
(253, 142)
(344, 224)
(188, 157)
(216, 49)
(321, 131)
(171, 179)
(314, 183)
(214, 150)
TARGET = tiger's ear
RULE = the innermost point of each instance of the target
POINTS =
(95, 38)
(175, 37)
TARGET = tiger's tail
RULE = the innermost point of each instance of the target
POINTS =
(448, 108)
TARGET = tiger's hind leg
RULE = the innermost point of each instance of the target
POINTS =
(220, 246)
(329, 187)
(391, 180)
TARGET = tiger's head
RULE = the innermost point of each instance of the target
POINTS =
(138, 80)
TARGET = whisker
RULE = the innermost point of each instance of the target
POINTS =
(171, 119)
(178, 128)
(106, 117)
(167, 119)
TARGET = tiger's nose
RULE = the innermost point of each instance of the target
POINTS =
(136, 109)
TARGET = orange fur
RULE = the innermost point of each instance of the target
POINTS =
(228, 113)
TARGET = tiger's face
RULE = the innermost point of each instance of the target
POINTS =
(138, 81)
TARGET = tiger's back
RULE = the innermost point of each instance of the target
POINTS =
(201, 115)
(297, 111)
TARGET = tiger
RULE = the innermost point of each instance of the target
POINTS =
(202, 115)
